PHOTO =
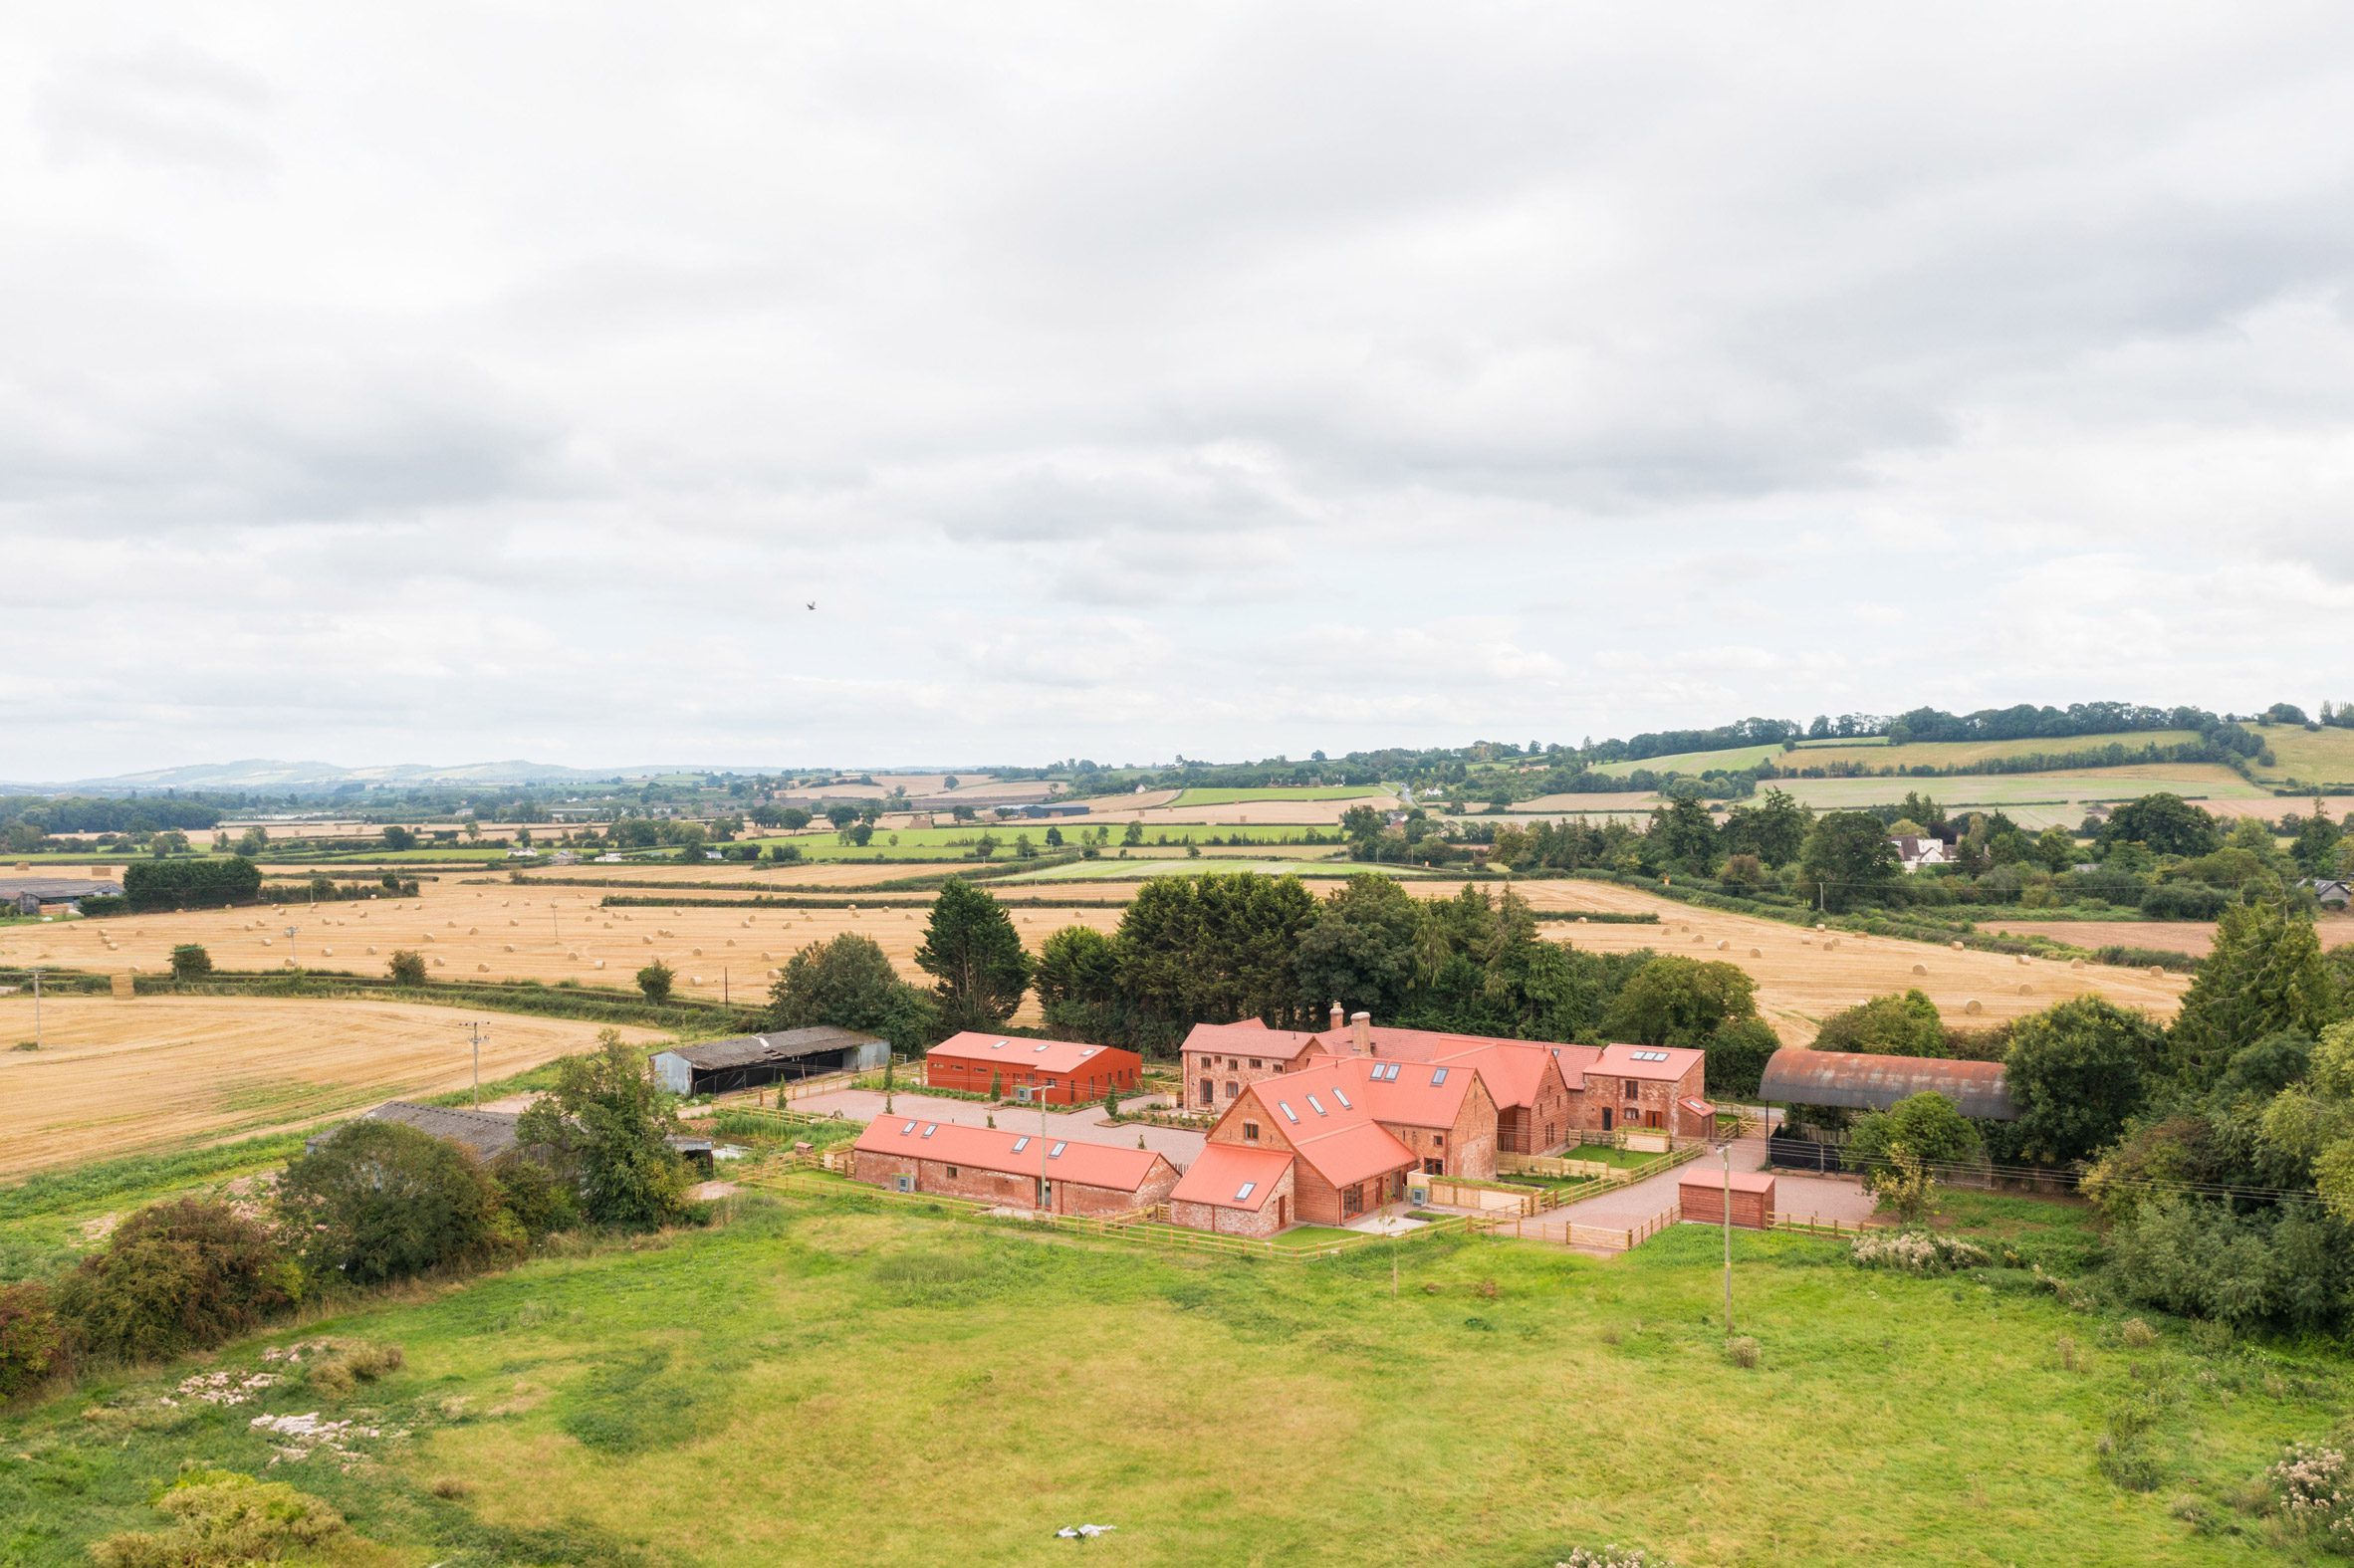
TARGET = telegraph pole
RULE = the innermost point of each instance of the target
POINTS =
(35, 1006)
(1726, 1149)
(477, 1033)
(291, 954)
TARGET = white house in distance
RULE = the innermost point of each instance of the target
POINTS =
(1916, 853)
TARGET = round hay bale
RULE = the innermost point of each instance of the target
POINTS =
(601, 962)
(2075, 963)
(2026, 991)
(327, 952)
(1756, 953)
(428, 936)
(372, 952)
(766, 954)
(646, 942)
(265, 941)
(731, 942)
(1581, 920)
(1955, 945)
(2019, 957)
(1698, 939)
(1722, 944)
(1819, 926)
(1919, 969)
(510, 946)
(441, 963)
(1830, 943)
(482, 969)
(696, 953)
(1974, 1006)
(696, 981)
(2157, 972)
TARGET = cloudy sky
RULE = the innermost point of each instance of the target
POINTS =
(437, 383)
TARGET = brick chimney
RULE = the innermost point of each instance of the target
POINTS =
(1361, 1034)
(1339, 1021)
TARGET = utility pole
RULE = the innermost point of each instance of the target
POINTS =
(1726, 1150)
(294, 957)
(476, 1028)
(35, 1006)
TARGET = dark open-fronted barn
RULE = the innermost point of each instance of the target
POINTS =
(1862, 1081)
(750, 1061)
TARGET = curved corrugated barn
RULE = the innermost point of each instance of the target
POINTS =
(1861, 1081)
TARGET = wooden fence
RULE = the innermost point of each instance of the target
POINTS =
(1564, 1231)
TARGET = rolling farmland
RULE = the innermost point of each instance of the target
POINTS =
(1213, 796)
(1806, 975)
(163, 1071)
(1967, 753)
(2309, 756)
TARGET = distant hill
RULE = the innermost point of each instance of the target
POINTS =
(266, 773)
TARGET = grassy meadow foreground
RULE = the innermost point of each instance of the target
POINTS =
(842, 1379)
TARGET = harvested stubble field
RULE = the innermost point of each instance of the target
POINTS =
(1803, 978)
(498, 931)
(2194, 937)
(2209, 783)
(830, 875)
(123, 1077)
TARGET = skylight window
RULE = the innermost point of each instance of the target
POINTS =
(1244, 1191)
(1056, 1153)
(1316, 1105)
(1438, 1075)
(1000, 1045)
(1289, 1114)
(1651, 1055)
(904, 1131)
(928, 1131)
(1343, 1099)
(1040, 1046)
(1021, 1143)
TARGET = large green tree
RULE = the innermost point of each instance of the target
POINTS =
(1898, 1026)
(383, 1201)
(1906, 1150)
(2077, 1071)
(1213, 948)
(1364, 947)
(1847, 860)
(849, 983)
(975, 956)
(1682, 837)
(1676, 1001)
(1078, 980)
(2264, 974)
(2166, 823)
(1773, 828)
(604, 1126)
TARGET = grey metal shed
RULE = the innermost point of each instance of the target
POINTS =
(1857, 1080)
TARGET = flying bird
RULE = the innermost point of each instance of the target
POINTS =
(812, 603)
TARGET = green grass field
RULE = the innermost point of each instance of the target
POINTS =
(1963, 753)
(1695, 761)
(2309, 756)
(1298, 792)
(841, 1378)
(1112, 869)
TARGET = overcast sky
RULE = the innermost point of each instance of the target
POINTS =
(439, 383)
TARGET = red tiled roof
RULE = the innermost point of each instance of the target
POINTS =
(1326, 1114)
(1248, 1039)
(1743, 1181)
(1512, 1077)
(1224, 1169)
(1014, 1050)
(1012, 1154)
(1696, 1106)
(1621, 1061)
(1423, 1094)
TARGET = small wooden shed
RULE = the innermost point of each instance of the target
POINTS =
(1702, 1194)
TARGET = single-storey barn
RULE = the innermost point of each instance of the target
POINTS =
(1049, 1072)
(749, 1062)
(1062, 1176)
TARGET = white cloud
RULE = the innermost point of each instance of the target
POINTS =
(432, 384)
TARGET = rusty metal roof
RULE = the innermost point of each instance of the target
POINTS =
(1865, 1082)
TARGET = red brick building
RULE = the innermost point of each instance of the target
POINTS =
(1343, 1162)
(1018, 1169)
(1053, 1072)
(1235, 1190)
(1648, 1088)
(1220, 1058)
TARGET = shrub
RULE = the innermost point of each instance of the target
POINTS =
(1916, 1253)
(30, 1339)
(1742, 1351)
(2136, 1334)
(190, 961)
(656, 981)
(345, 1366)
(381, 1201)
(535, 1197)
(408, 968)
(2313, 1489)
(222, 1520)
(176, 1276)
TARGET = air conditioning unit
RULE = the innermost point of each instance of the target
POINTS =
(1418, 1192)
(903, 1183)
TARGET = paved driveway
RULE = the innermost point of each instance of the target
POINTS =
(1797, 1197)
(1086, 1124)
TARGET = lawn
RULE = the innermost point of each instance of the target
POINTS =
(845, 1378)
(1280, 793)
